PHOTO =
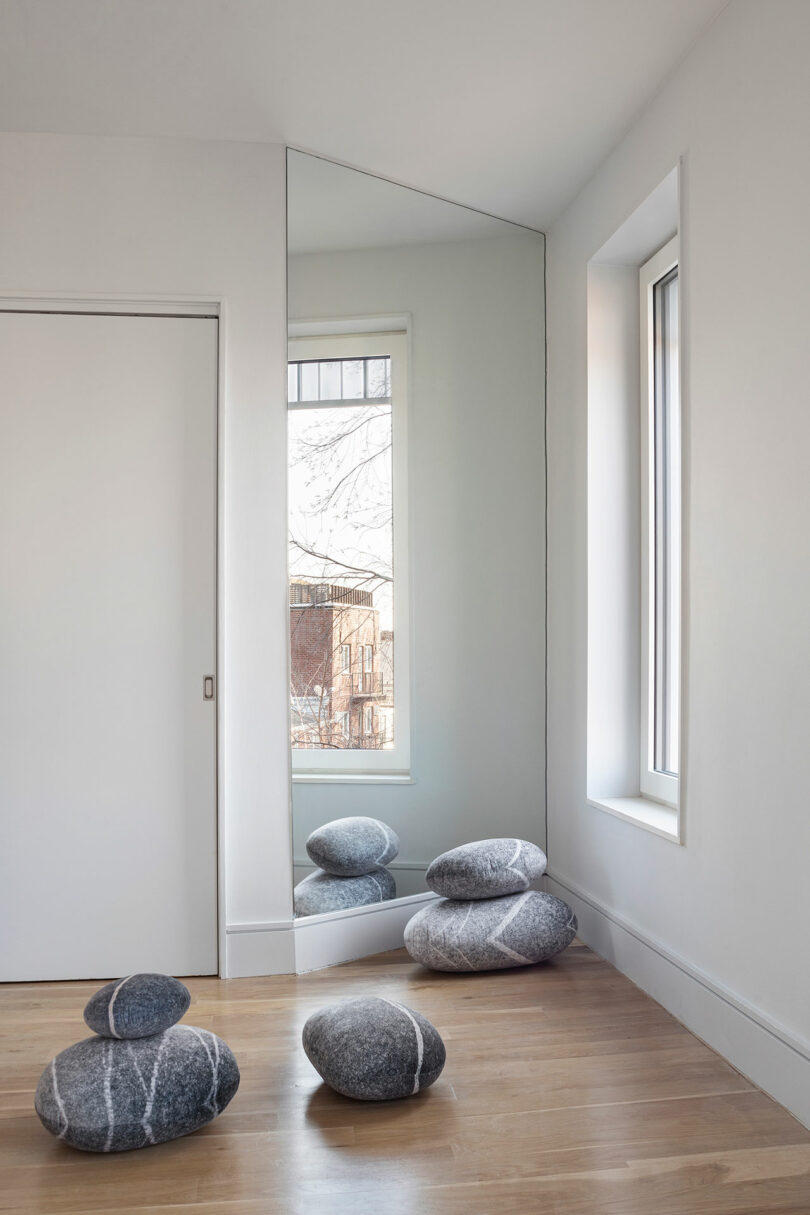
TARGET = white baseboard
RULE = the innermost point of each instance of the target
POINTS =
(358, 932)
(767, 1053)
(259, 949)
(303, 862)
(297, 946)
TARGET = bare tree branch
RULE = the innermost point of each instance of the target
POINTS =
(357, 569)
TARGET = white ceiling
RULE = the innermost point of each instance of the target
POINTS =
(506, 105)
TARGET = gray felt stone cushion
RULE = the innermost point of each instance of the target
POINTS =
(321, 891)
(374, 1049)
(350, 847)
(111, 1095)
(490, 934)
(137, 1006)
(486, 868)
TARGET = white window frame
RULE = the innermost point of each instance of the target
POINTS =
(345, 658)
(348, 762)
(656, 785)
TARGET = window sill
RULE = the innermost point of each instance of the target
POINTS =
(642, 812)
(352, 778)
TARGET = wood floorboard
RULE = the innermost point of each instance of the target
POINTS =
(567, 1091)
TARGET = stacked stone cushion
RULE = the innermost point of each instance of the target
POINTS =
(374, 1049)
(489, 919)
(137, 1006)
(112, 1095)
(320, 891)
(129, 1088)
(486, 868)
(490, 934)
(350, 847)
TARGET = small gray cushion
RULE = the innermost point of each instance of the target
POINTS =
(137, 1006)
(108, 1095)
(349, 847)
(490, 934)
(374, 1049)
(321, 891)
(486, 868)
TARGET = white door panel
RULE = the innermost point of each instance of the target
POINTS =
(107, 628)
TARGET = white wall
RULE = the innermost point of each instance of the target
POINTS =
(185, 219)
(731, 908)
(476, 490)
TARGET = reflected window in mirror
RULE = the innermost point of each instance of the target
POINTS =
(347, 397)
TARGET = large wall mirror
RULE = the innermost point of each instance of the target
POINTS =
(416, 515)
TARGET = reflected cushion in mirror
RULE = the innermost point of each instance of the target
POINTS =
(486, 868)
(490, 934)
(321, 891)
(350, 847)
(374, 1049)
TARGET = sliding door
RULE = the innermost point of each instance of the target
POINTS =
(107, 634)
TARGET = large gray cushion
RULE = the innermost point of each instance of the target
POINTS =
(490, 934)
(108, 1095)
(349, 847)
(137, 1006)
(321, 891)
(486, 868)
(374, 1049)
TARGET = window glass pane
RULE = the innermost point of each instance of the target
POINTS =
(309, 382)
(352, 379)
(292, 382)
(341, 572)
(667, 515)
(330, 382)
(378, 378)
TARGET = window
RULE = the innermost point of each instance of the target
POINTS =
(347, 398)
(634, 770)
(660, 527)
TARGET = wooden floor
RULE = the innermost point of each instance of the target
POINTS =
(566, 1091)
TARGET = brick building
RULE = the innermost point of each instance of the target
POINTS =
(341, 672)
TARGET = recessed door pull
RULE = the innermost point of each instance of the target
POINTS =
(208, 687)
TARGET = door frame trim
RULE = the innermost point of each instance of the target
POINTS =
(111, 305)
(185, 307)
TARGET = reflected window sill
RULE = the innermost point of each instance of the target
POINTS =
(352, 778)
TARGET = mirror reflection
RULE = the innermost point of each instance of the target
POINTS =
(416, 499)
